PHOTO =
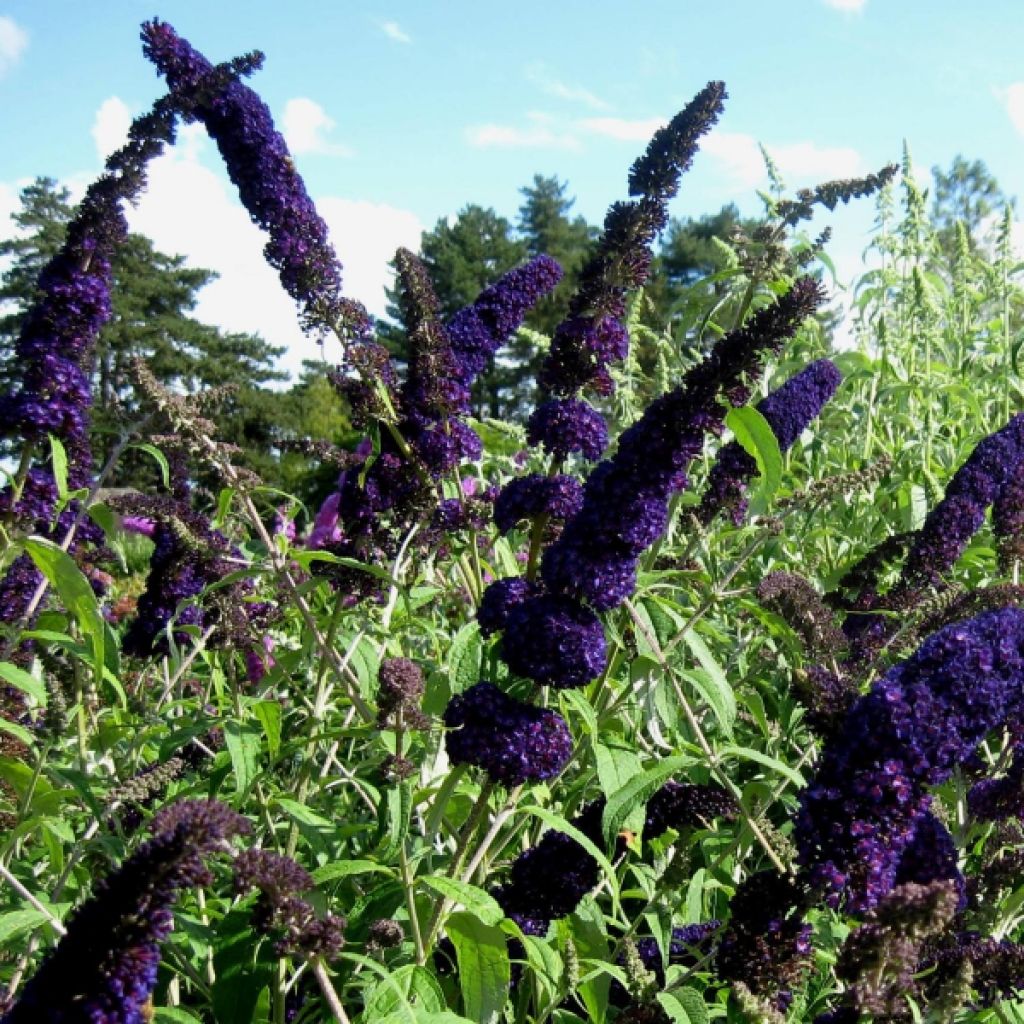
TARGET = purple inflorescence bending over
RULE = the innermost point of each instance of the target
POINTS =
(625, 499)
(262, 170)
(788, 410)
(862, 811)
(53, 352)
(511, 741)
(374, 507)
(105, 968)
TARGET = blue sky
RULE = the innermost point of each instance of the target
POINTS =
(400, 113)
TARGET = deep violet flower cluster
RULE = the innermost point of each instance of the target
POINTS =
(500, 598)
(788, 411)
(767, 945)
(860, 814)
(481, 328)
(371, 509)
(1008, 515)
(271, 189)
(549, 880)
(187, 557)
(511, 741)
(625, 499)
(1000, 798)
(554, 641)
(105, 968)
(975, 485)
(593, 334)
(53, 351)
(557, 497)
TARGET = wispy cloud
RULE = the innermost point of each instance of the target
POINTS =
(622, 129)
(190, 208)
(1012, 98)
(740, 158)
(306, 125)
(394, 31)
(542, 132)
(548, 83)
(847, 6)
(13, 43)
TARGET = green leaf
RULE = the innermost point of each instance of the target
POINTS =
(21, 680)
(755, 436)
(615, 767)
(19, 732)
(243, 742)
(637, 791)
(747, 754)
(59, 464)
(712, 683)
(160, 459)
(394, 815)
(307, 558)
(240, 976)
(343, 868)
(410, 986)
(74, 590)
(269, 714)
(484, 969)
(465, 657)
(18, 922)
(173, 1015)
(481, 903)
(684, 1006)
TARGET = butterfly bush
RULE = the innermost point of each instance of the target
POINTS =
(401, 694)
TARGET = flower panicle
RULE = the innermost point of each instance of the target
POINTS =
(864, 824)
(788, 410)
(626, 498)
(269, 186)
(105, 967)
(671, 150)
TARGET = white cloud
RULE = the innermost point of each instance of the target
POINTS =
(366, 236)
(394, 31)
(799, 162)
(539, 76)
(110, 126)
(1012, 97)
(847, 6)
(191, 209)
(13, 43)
(306, 125)
(621, 129)
(541, 133)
